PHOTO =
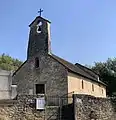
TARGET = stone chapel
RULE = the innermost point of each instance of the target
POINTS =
(47, 74)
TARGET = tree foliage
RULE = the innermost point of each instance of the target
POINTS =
(9, 63)
(107, 73)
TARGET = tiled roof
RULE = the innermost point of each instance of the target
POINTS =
(89, 71)
(78, 69)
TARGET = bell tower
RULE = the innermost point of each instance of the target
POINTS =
(39, 37)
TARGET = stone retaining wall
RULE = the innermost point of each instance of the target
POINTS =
(22, 109)
(84, 107)
(92, 108)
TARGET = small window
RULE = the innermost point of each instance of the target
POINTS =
(92, 87)
(82, 84)
(36, 62)
(102, 91)
(40, 88)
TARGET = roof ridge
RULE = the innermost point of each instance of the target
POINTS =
(87, 68)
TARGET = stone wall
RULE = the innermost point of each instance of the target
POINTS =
(84, 107)
(22, 109)
(92, 108)
(50, 72)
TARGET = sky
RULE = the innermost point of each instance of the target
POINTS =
(82, 31)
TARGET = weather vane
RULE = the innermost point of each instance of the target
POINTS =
(40, 11)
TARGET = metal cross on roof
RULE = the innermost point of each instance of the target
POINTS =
(40, 11)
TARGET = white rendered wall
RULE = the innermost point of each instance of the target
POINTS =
(5, 82)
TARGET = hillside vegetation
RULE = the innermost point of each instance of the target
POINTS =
(9, 63)
(107, 73)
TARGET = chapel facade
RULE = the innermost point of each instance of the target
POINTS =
(47, 74)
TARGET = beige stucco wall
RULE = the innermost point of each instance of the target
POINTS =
(75, 84)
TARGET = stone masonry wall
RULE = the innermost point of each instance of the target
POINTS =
(22, 109)
(84, 108)
(50, 72)
(92, 108)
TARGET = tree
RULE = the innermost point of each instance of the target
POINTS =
(107, 73)
(9, 63)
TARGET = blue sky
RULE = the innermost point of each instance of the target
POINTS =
(82, 31)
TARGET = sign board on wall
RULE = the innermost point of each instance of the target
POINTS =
(40, 103)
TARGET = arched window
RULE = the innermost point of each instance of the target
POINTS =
(39, 25)
(36, 62)
(92, 87)
(82, 84)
